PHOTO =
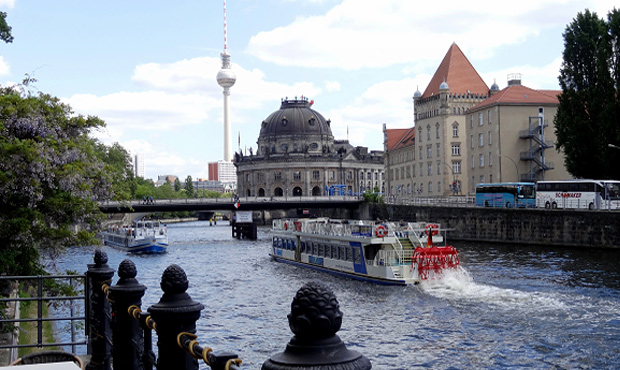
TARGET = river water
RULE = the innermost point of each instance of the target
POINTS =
(510, 307)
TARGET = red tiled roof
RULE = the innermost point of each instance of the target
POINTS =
(458, 73)
(520, 95)
(400, 138)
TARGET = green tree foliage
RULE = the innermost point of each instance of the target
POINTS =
(588, 116)
(50, 178)
(189, 186)
(118, 166)
(5, 29)
(177, 184)
(373, 196)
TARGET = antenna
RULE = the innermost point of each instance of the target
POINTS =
(225, 30)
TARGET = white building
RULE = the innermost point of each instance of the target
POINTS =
(138, 165)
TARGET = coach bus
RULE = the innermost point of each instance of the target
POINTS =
(578, 194)
(506, 194)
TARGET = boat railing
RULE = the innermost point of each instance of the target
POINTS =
(386, 258)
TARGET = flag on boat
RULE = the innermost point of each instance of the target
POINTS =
(237, 204)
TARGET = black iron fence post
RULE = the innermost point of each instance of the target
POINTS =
(99, 275)
(314, 319)
(127, 335)
(174, 314)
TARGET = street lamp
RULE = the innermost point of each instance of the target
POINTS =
(513, 162)
(613, 146)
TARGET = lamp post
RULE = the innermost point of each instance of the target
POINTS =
(453, 187)
(513, 162)
(613, 146)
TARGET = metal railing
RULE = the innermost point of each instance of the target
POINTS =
(76, 309)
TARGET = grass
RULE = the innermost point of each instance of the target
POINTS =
(28, 331)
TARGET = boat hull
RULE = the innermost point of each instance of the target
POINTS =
(152, 247)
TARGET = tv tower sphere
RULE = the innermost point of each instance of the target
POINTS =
(226, 78)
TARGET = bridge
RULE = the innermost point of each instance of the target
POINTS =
(229, 204)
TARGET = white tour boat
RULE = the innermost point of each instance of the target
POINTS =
(383, 252)
(143, 236)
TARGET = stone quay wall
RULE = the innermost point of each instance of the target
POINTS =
(567, 228)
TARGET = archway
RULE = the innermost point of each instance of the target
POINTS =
(261, 192)
(297, 192)
(316, 191)
(277, 192)
(247, 192)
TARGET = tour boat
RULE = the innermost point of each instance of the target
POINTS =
(141, 237)
(388, 253)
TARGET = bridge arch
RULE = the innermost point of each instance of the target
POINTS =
(297, 192)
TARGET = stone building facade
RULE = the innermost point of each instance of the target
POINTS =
(297, 155)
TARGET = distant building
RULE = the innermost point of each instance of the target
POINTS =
(203, 184)
(162, 179)
(222, 171)
(298, 156)
(138, 165)
(512, 136)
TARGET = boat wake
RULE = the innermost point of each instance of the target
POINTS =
(459, 285)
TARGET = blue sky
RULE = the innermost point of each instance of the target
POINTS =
(148, 68)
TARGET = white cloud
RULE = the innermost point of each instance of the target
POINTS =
(4, 67)
(544, 77)
(368, 33)
(332, 86)
(7, 4)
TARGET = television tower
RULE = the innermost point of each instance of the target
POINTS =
(226, 78)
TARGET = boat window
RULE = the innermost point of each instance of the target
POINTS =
(342, 255)
(315, 248)
(303, 247)
(356, 256)
(321, 250)
(349, 255)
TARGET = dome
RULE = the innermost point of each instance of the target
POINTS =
(417, 93)
(495, 86)
(444, 86)
(295, 128)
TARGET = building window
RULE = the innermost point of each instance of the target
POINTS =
(438, 150)
(261, 177)
(472, 141)
(350, 175)
(437, 131)
(421, 170)
(455, 130)
(277, 175)
(489, 115)
(456, 167)
(439, 187)
(481, 160)
(480, 139)
(428, 132)
(420, 135)
(439, 167)
(247, 177)
(471, 121)
(481, 178)
(473, 162)
(456, 149)
(480, 123)
(316, 175)
(297, 175)
(429, 151)
(430, 186)
(421, 157)
(490, 138)
(332, 175)
(430, 168)
(490, 160)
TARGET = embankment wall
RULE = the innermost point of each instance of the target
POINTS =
(597, 229)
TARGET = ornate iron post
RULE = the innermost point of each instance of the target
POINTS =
(175, 313)
(314, 319)
(99, 275)
(127, 335)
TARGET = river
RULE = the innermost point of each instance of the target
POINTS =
(509, 307)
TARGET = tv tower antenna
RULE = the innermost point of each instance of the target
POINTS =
(226, 78)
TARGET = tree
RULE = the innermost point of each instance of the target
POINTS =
(189, 186)
(50, 179)
(118, 165)
(5, 29)
(587, 119)
(177, 184)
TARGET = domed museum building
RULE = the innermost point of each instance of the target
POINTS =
(298, 156)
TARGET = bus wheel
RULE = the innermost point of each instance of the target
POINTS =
(591, 206)
(547, 205)
(507, 204)
(486, 204)
(554, 205)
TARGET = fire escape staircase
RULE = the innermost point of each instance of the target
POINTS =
(537, 149)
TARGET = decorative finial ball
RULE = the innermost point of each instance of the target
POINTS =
(127, 269)
(315, 312)
(101, 257)
(174, 280)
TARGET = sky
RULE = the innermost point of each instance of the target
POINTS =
(148, 68)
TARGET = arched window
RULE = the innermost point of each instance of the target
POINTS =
(297, 192)
(261, 192)
(278, 192)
